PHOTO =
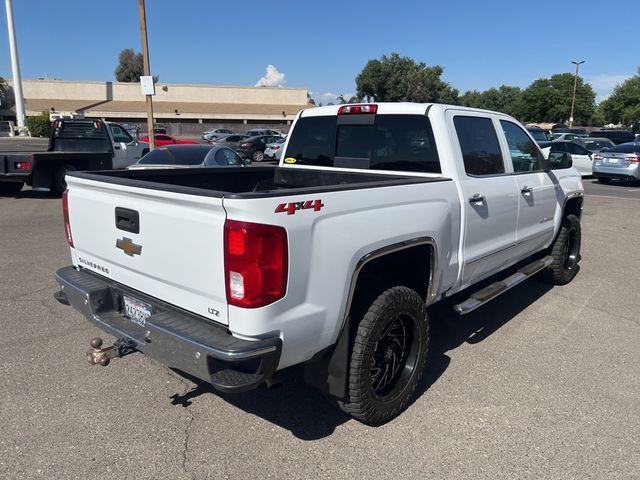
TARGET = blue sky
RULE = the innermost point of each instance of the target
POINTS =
(322, 46)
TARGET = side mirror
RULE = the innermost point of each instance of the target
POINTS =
(246, 162)
(560, 160)
(604, 149)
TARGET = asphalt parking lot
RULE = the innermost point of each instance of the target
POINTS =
(542, 383)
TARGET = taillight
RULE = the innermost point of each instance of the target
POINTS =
(348, 109)
(256, 263)
(597, 158)
(65, 213)
(631, 160)
(247, 145)
(276, 147)
(24, 165)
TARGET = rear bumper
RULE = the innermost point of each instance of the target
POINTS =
(172, 336)
(632, 172)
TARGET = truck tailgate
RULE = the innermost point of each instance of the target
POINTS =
(175, 253)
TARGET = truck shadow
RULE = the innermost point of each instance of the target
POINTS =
(308, 415)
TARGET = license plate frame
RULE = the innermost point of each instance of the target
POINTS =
(613, 161)
(136, 310)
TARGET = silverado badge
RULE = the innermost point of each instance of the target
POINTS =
(127, 246)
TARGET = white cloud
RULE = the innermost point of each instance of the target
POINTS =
(329, 97)
(273, 78)
(604, 84)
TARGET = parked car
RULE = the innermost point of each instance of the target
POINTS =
(254, 132)
(538, 134)
(565, 136)
(330, 260)
(190, 156)
(274, 150)
(216, 133)
(254, 147)
(621, 162)
(231, 141)
(581, 132)
(74, 144)
(581, 156)
(162, 140)
(616, 136)
(595, 144)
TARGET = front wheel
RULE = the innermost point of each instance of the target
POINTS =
(258, 155)
(388, 355)
(566, 251)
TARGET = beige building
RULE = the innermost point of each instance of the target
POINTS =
(183, 109)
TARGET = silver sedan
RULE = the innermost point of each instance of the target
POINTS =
(190, 156)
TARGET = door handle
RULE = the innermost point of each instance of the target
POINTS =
(526, 190)
(477, 199)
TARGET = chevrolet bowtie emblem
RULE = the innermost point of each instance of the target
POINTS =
(127, 246)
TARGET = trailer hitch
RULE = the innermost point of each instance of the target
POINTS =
(102, 356)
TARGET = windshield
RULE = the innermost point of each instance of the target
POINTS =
(538, 135)
(380, 142)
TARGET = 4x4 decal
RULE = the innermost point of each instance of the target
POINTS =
(292, 207)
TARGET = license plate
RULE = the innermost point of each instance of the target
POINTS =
(613, 160)
(136, 311)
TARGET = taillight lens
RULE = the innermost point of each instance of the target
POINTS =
(256, 263)
(350, 109)
(597, 158)
(65, 213)
(24, 165)
(247, 145)
(631, 160)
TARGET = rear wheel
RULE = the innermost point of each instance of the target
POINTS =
(10, 188)
(604, 180)
(566, 251)
(388, 355)
(258, 155)
(58, 182)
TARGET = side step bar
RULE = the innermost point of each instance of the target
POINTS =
(497, 288)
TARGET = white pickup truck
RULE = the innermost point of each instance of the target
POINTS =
(331, 259)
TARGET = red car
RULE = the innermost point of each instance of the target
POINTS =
(162, 140)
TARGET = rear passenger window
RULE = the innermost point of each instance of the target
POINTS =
(524, 154)
(479, 144)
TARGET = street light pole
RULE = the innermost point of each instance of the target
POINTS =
(15, 67)
(575, 85)
(147, 71)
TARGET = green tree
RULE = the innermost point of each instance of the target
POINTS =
(623, 106)
(400, 79)
(341, 99)
(549, 100)
(39, 125)
(130, 67)
(505, 99)
(7, 98)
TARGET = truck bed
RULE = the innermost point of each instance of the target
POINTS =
(263, 181)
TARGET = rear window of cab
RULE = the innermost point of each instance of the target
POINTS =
(376, 142)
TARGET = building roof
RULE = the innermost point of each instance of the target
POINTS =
(114, 108)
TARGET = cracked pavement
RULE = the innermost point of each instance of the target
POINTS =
(541, 383)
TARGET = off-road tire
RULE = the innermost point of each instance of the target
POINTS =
(10, 188)
(604, 180)
(58, 183)
(565, 252)
(395, 306)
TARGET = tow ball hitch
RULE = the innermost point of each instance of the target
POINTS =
(102, 356)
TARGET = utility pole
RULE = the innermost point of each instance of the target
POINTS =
(575, 84)
(15, 66)
(147, 71)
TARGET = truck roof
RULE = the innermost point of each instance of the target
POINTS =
(398, 108)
